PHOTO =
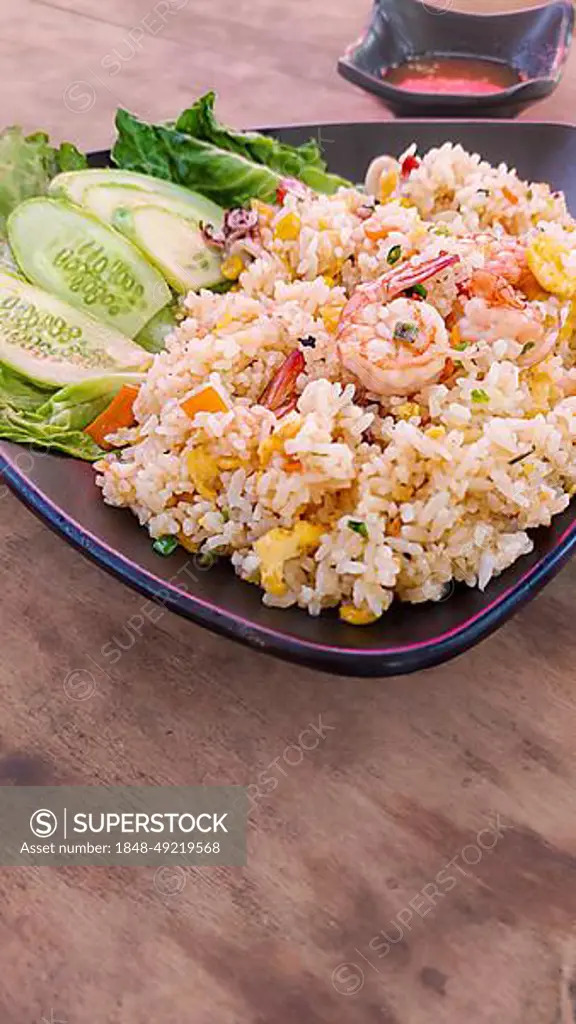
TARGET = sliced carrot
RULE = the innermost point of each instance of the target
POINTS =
(509, 195)
(377, 232)
(455, 336)
(207, 399)
(119, 414)
(394, 527)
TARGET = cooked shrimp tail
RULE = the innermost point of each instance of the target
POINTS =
(279, 395)
(392, 343)
(393, 283)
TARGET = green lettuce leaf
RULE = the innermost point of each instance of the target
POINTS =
(227, 166)
(153, 335)
(303, 162)
(27, 165)
(56, 419)
(77, 405)
(227, 178)
(26, 428)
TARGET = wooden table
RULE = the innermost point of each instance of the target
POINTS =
(351, 839)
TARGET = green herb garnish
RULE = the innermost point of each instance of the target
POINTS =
(460, 346)
(358, 527)
(478, 395)
(405, 332)
(418, 289)
(165, 545)
(394, 255)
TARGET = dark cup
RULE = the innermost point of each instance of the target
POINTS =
(533, 42)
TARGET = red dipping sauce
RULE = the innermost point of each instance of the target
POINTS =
(455, 76)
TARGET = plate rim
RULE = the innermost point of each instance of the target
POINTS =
(350, 662)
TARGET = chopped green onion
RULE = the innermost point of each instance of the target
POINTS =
(442, 229)
(460, 346)
(358, 527)
(526, 348)
(225, 513)
(165, 545)
(405, 332)
(478, 395)
(518, 458)
(529, 195)
(418, 289)
(394, 255)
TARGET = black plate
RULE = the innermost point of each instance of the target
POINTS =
(408, 637)
(534, 41)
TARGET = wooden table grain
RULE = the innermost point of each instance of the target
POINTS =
(418, 864)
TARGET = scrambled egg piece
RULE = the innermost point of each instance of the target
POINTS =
(357, 616)
(204, 472)
(545, 257)
(275, 443)
(280, 545)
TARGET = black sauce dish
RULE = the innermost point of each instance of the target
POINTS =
(407, 638)
(533, 42)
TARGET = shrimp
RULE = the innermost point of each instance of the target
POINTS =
(393, 345)
(280, 394)
(505, 270)
(499, 308)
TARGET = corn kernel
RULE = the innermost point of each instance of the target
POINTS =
(407, 410)
(288, 227)
(331, 317)
(232, 268)
(402, 492)
(224, 321)
(187, 543)
(357, 616)
(264, 210)
(329, 281)
(435, 433)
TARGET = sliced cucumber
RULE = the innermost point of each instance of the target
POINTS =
(152, 337)
(74, 185)
(69, 252)
(53, 343)
(173, 244)
(109, 201)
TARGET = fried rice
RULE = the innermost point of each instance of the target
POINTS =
(353, 496)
